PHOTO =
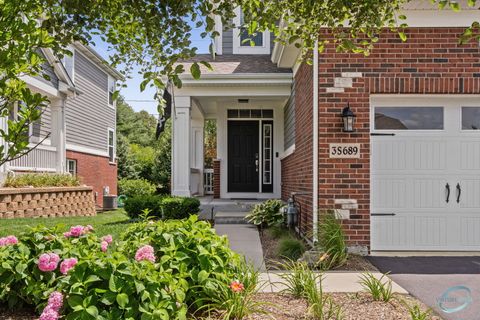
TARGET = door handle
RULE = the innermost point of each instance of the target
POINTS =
(447, 187)
(459, 192)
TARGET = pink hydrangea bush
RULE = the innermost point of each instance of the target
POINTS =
(48, 262)
(67, 265)
(52, 310)
(8, 241)
(145, 253)
(104, 246)
(108, 238)
(78, 231)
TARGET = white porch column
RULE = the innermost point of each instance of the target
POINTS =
(181, 128)
(58, 135)
(4, 167)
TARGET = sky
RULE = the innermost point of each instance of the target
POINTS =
(133, 96)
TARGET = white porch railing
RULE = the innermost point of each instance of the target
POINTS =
(208, 181)
(42, 158)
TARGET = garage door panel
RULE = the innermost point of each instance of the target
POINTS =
(409, 173)
(429, 155)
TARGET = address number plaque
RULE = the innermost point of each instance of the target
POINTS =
(345, 150)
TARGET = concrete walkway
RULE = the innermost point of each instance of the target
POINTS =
(244, 239)
(333, 281)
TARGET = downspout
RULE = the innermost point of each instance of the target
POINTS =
(315, 143)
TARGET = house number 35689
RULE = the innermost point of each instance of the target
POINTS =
(344, 150)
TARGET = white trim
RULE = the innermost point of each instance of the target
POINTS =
(440, 18)
(45, 88)
(288, 152)
(237, 46)
(270, 153)
(43, 147)
(72, 76)
(113, 146)
(315, 144)
(67, 169)
(114, 102)
(244, 78)
(218, 40)
(87, 150)
(13, 168)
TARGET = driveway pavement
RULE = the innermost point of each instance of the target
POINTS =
(449, 285)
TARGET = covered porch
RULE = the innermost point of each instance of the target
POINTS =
(248, 110)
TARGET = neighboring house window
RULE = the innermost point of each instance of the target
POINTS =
(240, 46)
(69, 63)
(72, 167)
(111, 145)
(111, 90)
(15, 116)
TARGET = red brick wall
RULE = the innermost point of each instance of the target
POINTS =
(95, 171)
(297, 168)
(430, 62)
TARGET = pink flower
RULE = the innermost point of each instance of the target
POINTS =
(145, 253)
(55, 300)
(8, 241)
(51, 311)
(104, 245)
(77, 231)
(49, 314)
(67, 234)
(48, 262)
(89, 228)
(236, 286)
(108, 238)
(67, 265)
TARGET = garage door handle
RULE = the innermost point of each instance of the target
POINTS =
(378, 134)
(459, 192)
(447, 186)
(382, 214)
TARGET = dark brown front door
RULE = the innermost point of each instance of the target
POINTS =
(243, 156)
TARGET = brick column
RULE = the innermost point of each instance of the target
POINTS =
(216, 179)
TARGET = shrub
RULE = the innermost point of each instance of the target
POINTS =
(321, 306)
(267, 214)
(331, 240)
(278, 231)
(416, 313)
(41, 180)
(380, 290)
(179, 207)
(122, 282)
(290, 248)
(162, 207)
(135, 187)
(134, 206)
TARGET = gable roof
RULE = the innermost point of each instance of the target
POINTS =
(236, 64)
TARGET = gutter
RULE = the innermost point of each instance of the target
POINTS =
(315, 143)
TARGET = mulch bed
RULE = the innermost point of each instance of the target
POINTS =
(272, 260)
(358, 306)
(355, 306)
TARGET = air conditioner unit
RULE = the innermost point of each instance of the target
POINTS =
(109, 202)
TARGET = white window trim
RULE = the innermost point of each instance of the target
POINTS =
(30, 125)
(72, 76)
(110, 79)
(237, 46)
(74, 167)
(114, 146)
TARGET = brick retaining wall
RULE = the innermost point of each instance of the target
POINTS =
(46, 202)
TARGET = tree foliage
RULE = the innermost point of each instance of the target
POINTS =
(155, 36)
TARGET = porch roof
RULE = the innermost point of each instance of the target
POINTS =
(237, 64)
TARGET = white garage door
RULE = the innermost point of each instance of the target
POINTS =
(425, 174)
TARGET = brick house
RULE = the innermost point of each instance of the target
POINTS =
(406, 179)
(77, 130)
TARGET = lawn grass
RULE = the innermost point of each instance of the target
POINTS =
(111, 222)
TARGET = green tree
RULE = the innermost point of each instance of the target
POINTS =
(155, 35)
(127, 166)
(163, 160)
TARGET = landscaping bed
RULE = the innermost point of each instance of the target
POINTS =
(270, 245)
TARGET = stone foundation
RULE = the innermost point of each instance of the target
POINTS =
(46, 202)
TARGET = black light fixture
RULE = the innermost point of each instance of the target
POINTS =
(348, 118)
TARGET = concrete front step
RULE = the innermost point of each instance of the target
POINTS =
(230, 217)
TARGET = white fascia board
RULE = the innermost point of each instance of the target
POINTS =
(87, 150)
(245, 78)
(440, 18)
(38, 85)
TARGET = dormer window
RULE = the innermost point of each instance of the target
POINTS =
(242, 41)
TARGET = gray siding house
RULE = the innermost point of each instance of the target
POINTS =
(77, 130)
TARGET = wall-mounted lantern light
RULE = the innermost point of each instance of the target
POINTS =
(348, 118)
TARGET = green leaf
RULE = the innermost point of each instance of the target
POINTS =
(93, 311)
(75, 301)
(111, 284)
(195, 71)
(402, 36)
(202, 276)
(122, 300)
